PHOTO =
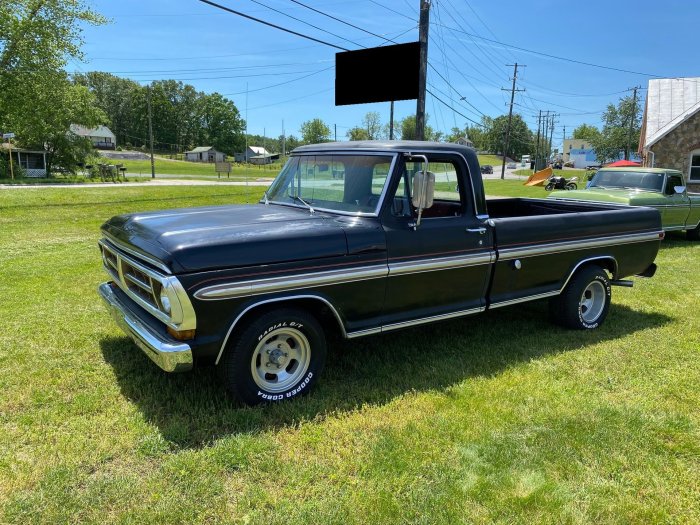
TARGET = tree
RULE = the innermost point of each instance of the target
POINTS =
(521, 141)
(407, 127)
(357, 133)
(586, 132)
(315, 131)
(617, 123)
(373, 124)
(37, 99)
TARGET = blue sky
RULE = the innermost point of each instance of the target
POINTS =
(218, 51)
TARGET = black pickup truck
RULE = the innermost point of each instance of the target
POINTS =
(356, 239)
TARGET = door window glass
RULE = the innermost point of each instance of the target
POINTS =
(448, 194)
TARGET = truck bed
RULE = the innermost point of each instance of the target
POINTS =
(546, 237)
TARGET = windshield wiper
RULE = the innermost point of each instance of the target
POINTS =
(296, 197)
(267, 200)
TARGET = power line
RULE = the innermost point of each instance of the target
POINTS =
(280, 83)
(304, 22)
(293, 99)
(453, 109)
(392, 10)
(620, 70)
(270, 24)
(334, 18)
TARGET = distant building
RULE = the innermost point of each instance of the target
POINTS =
(101, 136)
(32, 162)
(670, 136)
(582, 150)
(464, 141)
(257, 155)
(204, 154)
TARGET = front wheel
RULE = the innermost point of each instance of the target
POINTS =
(584, 303)
(571, 186)
(549, 187)
(277, 357)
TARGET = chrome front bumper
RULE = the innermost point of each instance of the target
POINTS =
(167, 353)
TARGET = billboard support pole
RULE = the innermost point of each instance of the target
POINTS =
(423, 26)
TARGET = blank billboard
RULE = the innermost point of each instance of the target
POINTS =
(378, 74)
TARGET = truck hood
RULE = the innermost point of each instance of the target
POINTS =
(213, 237)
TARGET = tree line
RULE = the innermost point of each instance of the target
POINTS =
(182, 117)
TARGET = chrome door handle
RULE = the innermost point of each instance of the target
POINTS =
(480, 231)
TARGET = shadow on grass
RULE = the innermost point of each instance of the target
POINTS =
(192, 410)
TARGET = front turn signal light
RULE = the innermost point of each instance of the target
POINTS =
(181, 335)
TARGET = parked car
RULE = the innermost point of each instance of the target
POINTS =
(258, 289)
(486, 169)
(511, 165)
(663, 189)
(569, 164)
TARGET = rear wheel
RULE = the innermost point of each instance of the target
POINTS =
(277, 357)
(584, 303)
(694, 234)
(549, 187)
(571, 186)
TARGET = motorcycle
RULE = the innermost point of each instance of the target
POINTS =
(561, 183)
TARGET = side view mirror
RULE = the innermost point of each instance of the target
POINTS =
(423, 189)
(679, 189)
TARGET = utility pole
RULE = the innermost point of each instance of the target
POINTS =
(551, 134)
(246, 128)
(632, 119)
(264, 142)
(335, 132)
(537, 147)
(284, 141)
(510, 118)
(423, 26)
(391, 121)
(150, 133)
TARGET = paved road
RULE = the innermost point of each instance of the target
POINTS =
(156, 182)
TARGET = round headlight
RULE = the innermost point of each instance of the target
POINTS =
(164, 301)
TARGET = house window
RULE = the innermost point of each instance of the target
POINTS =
(694, 174)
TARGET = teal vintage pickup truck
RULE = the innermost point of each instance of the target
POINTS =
(663, 189)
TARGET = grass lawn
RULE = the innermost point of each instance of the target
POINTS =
(499, 418)
(198, 169)
(493, 160)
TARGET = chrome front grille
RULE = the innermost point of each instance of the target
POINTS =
(146, 286)
(139, 283)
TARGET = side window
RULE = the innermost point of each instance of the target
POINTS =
(671, 182)
(448, 193)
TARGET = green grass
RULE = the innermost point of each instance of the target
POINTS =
(198, 169)
(493, 160)
(499, 418)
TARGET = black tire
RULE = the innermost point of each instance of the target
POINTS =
(549, 187)
(571, 186)
(694, 234)
(584, 303)
(279, 356)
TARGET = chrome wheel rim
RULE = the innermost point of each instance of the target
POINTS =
(592, 302)
(280, 360)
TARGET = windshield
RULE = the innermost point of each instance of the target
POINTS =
(342, 183)
(638, 180)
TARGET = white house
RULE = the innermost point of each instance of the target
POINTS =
(101, 136)
(204, 154)
(464, 141)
